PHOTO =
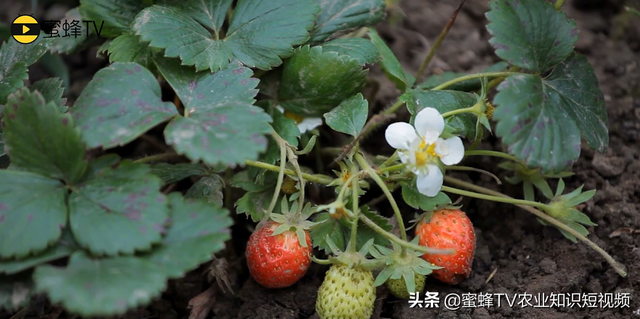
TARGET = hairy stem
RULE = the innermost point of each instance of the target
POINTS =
(356, 211)
(471, 77)
(500, 199)
(394, 168)
(436, 45)
(403, 243)
(316, 178)
(283, 162)
(363, 163)
(491, 153)
(157, 157)
(619, 268)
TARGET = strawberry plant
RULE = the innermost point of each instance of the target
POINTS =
(258, 92)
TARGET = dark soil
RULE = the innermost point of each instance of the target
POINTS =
(515, 254)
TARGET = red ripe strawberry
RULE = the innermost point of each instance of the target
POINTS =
(277, 261)
(449, 229)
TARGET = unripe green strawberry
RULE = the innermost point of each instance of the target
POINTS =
(346, 293)
(398, 287)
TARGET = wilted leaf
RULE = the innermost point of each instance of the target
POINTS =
(15, 292)
(198, 230)
(314, 82)
(70, 44)
(444, 101)
(530, 34)
(341, 15)
(208, 188)
(118, 196)
(122, 102)
(541, 119)
(350, 116)
(32, 213)
(260, 33)
(222, 127)
(42, 140)
(101, 287)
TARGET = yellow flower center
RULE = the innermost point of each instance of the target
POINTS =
(345, 177)
(297, 118)
(426, 153)
(489, 110)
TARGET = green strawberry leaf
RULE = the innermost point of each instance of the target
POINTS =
(327, 227)
(467, 86)
(172, 173)
(14, 60)
(257, 198)
(116, 14)
(417, 200)
(101, 287)
(127, 47)
(63, 248)
(221, 128)
(32, 213)
(208, 188)
(71, 44)
(40, 139)
(108, 120)
(260, 33)
(286, 128)
(390, 64)
(356, 48)
(122, 196)
(541, 119)
(198, 230)
(350, 116)
(343, 15)
(444, 101)
(365, 233)
(530, 34)
(209, 13)
(15, 291)
(51, 90)
(314, 82)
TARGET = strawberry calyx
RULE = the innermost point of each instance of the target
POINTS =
(402, 264)
(354, 259)
(291, 220)
(563, 208)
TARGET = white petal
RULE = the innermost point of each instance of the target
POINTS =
(309, 124)
(279, 108)
(430, 184)
(405, 157)
(400, 135)
(429, 120)
(451, 150)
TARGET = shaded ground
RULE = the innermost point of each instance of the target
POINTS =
(515, 254)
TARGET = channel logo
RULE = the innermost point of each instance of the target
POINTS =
(25, 29)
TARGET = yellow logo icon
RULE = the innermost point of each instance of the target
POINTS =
(25, 29)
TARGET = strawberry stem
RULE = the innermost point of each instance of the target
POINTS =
(356, 211)
(283, 162)
(403, 243)
(315, 178)
(471, 77)
(619, 268)
(363, 163)
(508, 200)
(491, 153)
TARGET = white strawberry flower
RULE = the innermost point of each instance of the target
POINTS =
(423, 150)
(304, 124)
